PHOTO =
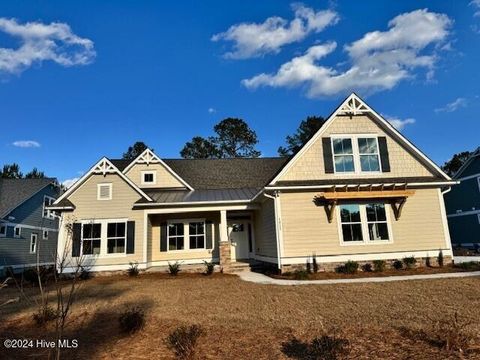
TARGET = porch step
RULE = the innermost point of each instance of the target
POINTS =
(236, 267)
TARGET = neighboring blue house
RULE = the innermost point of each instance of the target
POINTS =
(28, 231)
(463, 204)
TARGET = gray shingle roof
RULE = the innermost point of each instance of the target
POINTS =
(14, 192)
(181, 196)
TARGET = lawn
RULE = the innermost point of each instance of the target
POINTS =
(248, 321)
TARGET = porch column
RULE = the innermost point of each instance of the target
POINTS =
(224, 251)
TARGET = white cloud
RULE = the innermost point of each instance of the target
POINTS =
(212, 110)
(476, 5)
(453, 106)
(378, 61)
(253, 39)
(26, 144)
(398, 123)
(43, 42)
(69, 182)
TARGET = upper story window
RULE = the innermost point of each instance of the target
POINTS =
(3, 230)
(17, 232)
(355, 154)
(47, 201)
(104, 191)
(149, 177)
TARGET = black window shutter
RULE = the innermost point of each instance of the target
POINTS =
(130, 237)
(208, 234)
(327, 155)
(163, 237)
(76, 239)
(382, 144)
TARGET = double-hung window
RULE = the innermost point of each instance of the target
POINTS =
(176, 237)
(91, 238)
(116, 235)
(47, 201)
(33, 243)
(355, 154)
(197, 235)
(17, 232)
(186, 234)
(364, 223)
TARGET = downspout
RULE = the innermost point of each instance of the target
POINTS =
(278, 229)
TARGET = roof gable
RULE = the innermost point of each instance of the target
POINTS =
(470, 167)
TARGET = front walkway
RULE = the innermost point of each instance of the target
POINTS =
(263, 279)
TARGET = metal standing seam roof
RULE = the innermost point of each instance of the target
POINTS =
(208, 195)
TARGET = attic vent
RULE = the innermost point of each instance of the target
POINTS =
(104, 192)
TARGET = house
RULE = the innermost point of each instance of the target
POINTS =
(358, 190)
(463, 204)
(28, 230)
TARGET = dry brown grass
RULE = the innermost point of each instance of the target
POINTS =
(247, 321)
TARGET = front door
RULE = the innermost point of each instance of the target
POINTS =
(238, 235)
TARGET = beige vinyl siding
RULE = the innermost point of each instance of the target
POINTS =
(265, 236)
(164, 178)
(306, 230)
(154, 241)
(87, 207)
(310, 165)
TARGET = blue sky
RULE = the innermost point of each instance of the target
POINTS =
(83, 79)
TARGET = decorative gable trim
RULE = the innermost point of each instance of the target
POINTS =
(354, 105)
(102, 167)
(149, 157)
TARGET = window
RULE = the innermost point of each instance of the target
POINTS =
(3, 230)
(149, 177)
(104, 191)
(369, 156)
(91, 235)
(116, 234)
(17, 232)
(33, 243)
(364, 223)
(197, 235)
(343, 155)
(45, 234)
(356, 154)
(47, 201)
(175, 236)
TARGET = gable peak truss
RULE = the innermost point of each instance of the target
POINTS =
(353, 106)
(104, 167)
(147, 157)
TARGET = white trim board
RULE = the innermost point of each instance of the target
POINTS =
(464, 213)
(360, 108)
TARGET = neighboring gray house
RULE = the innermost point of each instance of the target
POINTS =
(463, 204)
(28, 231)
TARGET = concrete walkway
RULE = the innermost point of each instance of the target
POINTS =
(263, 279)
(462, 259)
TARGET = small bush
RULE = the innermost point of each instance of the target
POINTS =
(132, 320)
(350, 267)
(397, 265)
(379, 265)
(440, 258)
(85, 273)
(133, 269)
(428, 262)
(469, 266)
(182, 341)
(44, 315)
(309, 267)
(209, 267)
(174, 268)
(300, 275)
(315, 264)
(410, 262)
(323, 348)
(31, 274)
(367, 267)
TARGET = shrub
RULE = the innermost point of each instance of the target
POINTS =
(440, 258)
(31, 274)
(427, 262)
(469, 266)
(85, 274)
(132, 320)
(350, 267)
(367, 267)
(133, 269)
(182, 341)
(379, 265)
(325, 347)
(397, 265)
(409, 262)
(209, 267)
(300, 275)
(174, 268)
(309, 267)
(44, 315)
(315, 264)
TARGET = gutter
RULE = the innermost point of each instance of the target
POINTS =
(317, 187)
(221, 202)
(278, 230)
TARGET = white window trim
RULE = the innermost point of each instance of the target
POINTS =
(478, 218)
(110, 191)
(50, 214)
(33, 235)
(103, 238)
(4, 233)
(143, 173)
(43, 234)
(356, 154)
(365, 234)
(478, 180)
(19, 232)
(186, 235)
